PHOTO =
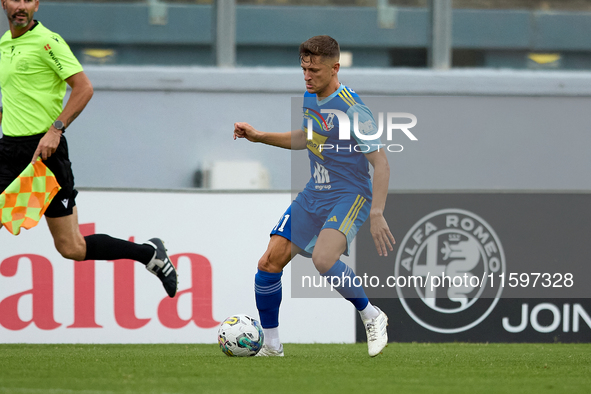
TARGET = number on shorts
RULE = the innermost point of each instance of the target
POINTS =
(283, 222)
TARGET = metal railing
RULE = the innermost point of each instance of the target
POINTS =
(555, 5)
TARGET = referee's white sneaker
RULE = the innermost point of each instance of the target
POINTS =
(266, 351)
(161, 266)
(377, 334)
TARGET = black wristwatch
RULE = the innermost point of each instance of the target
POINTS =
(58, 124)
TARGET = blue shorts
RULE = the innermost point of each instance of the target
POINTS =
(302, 221)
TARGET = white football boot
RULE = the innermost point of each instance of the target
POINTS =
(266, 351)
(377, 334)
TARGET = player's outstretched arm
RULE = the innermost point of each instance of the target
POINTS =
(291, 140)
(80, 96)
(380, 231)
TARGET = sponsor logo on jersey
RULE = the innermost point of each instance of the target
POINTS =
(367, 127)
(321, 176)
(315, 144)
(55, 60)
(311, 114)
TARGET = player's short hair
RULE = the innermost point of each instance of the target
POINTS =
(321, 46)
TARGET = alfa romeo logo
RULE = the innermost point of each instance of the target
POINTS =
(452, 260)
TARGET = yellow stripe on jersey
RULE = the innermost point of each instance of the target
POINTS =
(352, 215)
(347, 99)
(348, 94)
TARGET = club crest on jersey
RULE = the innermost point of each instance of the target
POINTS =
(328, 125)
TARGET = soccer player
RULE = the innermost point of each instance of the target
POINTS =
(324, 218)
(35, 65)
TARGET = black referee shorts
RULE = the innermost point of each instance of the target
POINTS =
(16, 153)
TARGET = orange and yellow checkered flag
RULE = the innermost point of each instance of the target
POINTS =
(25, 200)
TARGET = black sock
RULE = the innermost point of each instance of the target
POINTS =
(104, 247)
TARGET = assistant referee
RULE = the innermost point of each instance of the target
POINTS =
(35, 66)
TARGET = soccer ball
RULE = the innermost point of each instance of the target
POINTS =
(240, 336)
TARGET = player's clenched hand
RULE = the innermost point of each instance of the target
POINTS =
(244, 130)
(382, 237)
(47, 145)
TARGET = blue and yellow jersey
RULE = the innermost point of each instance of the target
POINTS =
(338, 164)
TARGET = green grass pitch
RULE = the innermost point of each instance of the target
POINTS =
(314, 368)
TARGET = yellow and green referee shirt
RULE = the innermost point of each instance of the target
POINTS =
(33, 68)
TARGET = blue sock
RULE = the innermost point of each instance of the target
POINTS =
(343, 276)
(267, 292)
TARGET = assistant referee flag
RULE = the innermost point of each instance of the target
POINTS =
(25, 200)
